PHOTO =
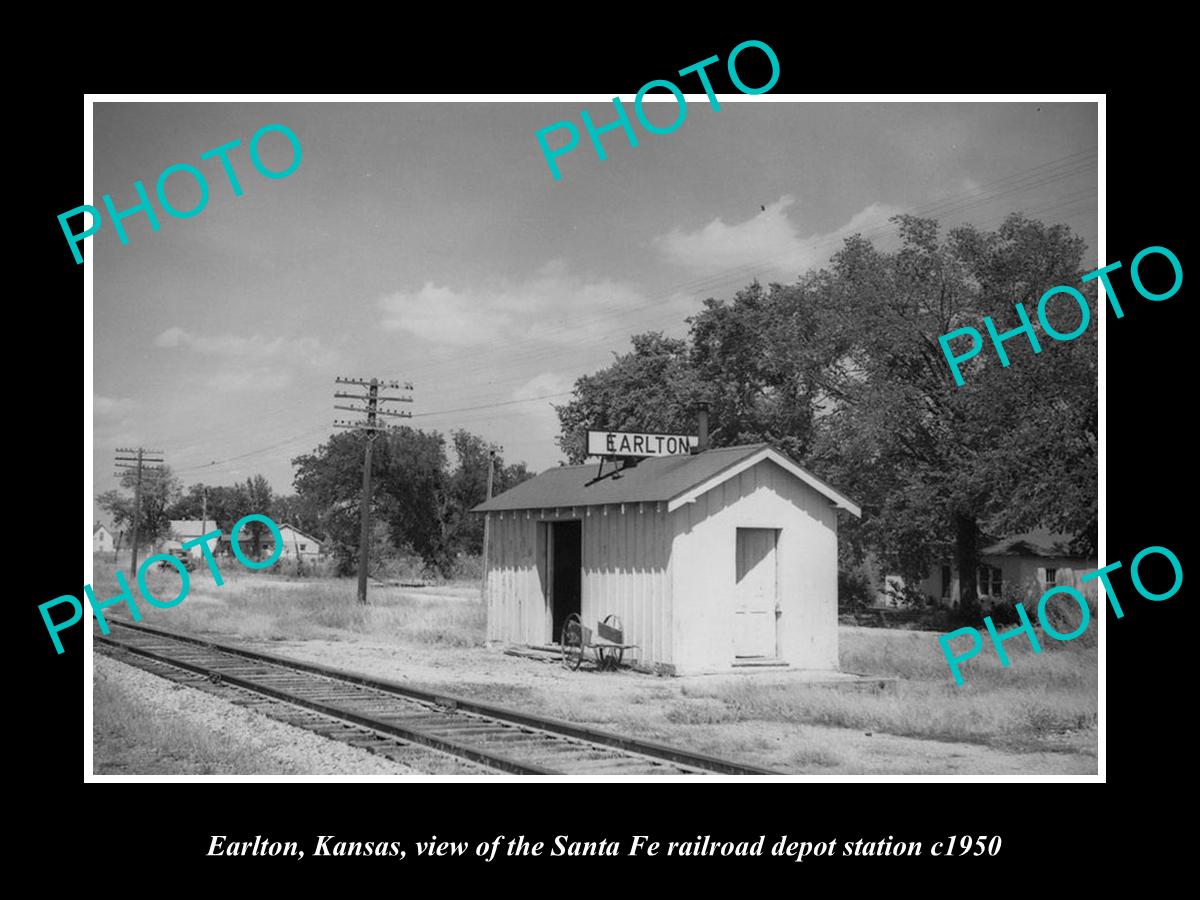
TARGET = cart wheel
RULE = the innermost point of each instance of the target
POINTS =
(572, 642)
(613, 655)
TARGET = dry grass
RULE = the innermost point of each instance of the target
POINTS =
(131, 739)
(1040, 702)
(260, 607)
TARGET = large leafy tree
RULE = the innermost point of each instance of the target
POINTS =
(467, 488)
(330, 478)
(424, 501)
(738, 361)
(842, 369)
(756, 386)
(414, 494)
(160, 490)
(219, 505)
(652, 388)
(302, 512)
(938, 466)
(254, 496)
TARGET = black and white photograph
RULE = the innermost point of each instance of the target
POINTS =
(696, 436)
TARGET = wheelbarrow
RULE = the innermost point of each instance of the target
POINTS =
(607, 642)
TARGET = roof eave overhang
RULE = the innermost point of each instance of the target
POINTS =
(693, 493)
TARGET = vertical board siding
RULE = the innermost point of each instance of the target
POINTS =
(516, 607)
(670, 576)
(703, 569)
(625, 572)
(625, 557)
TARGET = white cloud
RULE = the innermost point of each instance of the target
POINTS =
(553, 306)
(234, 346)
(766, 245)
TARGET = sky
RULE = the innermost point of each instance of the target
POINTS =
(429, 243)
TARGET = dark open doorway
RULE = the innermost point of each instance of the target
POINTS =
(566, 573)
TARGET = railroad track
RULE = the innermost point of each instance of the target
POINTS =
(432, 732)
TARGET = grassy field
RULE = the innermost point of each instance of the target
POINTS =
(1029, 706)
(1042, 704)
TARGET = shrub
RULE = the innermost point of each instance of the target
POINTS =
(854, 591)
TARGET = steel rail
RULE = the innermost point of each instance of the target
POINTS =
(650, 749)
(492, 760)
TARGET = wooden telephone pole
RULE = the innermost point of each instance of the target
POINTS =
(487, 518)
(370, 427)
(138, 461)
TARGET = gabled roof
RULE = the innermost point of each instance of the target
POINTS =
(1041, 543)
(303, 534)
(99, 528)
(191, 527)
(675, 480)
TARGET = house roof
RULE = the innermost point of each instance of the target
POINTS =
(674, 479)
(1041, 543)
(100, 528)
(186, 528)
(302, 534)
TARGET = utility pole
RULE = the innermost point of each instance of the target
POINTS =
(370, 427)
(487, 519)
(139, 462)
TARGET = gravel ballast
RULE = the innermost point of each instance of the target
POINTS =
(284, 748)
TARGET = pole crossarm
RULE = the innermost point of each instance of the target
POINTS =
(378, 412)
(137, 459)
(377, 382)
(371, 428)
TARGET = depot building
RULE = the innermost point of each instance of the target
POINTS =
(712, 559)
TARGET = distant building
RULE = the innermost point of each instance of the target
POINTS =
(184, 530)
(712, 560)
(266, 544)
(1019, 568)
(297, 544)
(102, 540)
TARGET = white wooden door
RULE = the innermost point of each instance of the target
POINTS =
(755, 593)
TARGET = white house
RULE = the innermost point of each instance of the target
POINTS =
(1019, 568)
(102, 540)
(713, 560)
(297, 544)
(184, 530)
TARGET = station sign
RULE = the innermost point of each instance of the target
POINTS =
(627, 443)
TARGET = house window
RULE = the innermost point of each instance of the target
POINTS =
(1052, 576)
(990, 582)
(945, 581)
(304, 546)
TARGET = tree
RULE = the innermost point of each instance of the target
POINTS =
(160, 490)
(936, 466)
(467, 488)
(253, 496)
(743, 353)
(424, 502)
(653, 388)
(842, 370)
(302, 512)
(408, 473)
(330, 479)
(738, 360)
(414, 494)
(218, 505)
